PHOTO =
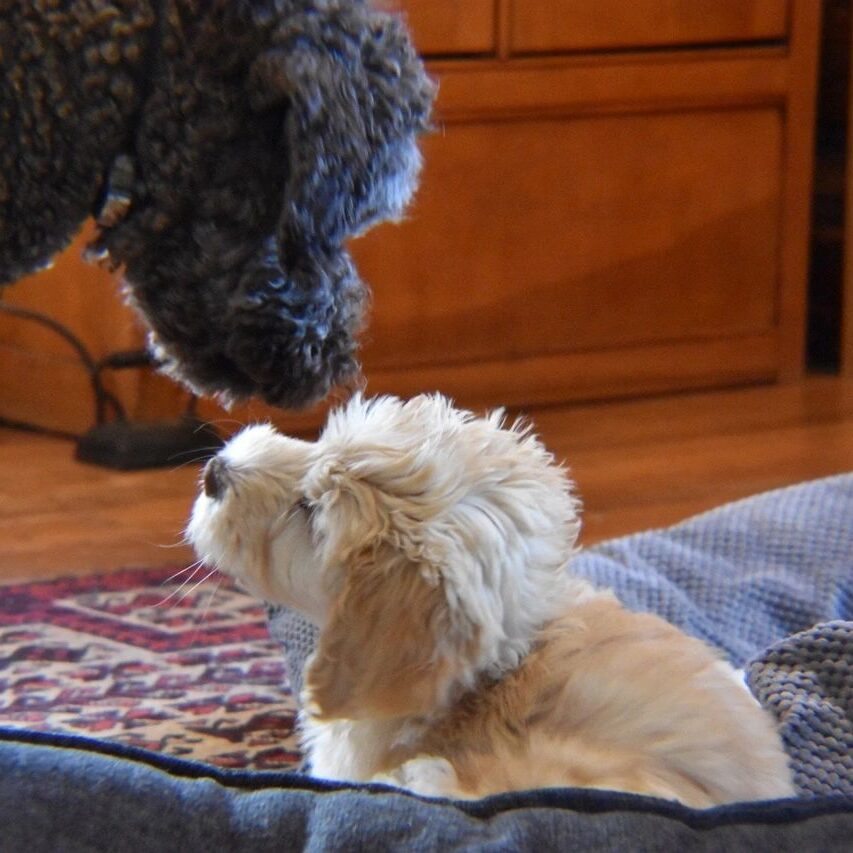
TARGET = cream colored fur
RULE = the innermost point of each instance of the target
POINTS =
(457, 656)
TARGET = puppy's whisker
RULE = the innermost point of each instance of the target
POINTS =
(201, 619)
(186, 464)
(194, 587)
(211, 449)
(183, 542)
(221, 422)
(196, 567)
(202, 455)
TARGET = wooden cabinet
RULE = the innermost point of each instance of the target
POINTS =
(601, 232)
(538, 26)
(615, 202)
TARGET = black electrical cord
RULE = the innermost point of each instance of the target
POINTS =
(23, 426)
(103, 397)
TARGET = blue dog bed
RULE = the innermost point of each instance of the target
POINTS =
(768, 580)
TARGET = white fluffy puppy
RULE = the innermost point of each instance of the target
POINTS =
(457, 656)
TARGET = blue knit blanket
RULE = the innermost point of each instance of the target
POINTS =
(807, 682)
(769, 582)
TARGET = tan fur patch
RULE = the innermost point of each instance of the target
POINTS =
(388, 648)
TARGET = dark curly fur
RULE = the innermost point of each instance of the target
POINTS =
(229, 149)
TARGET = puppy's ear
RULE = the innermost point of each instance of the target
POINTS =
(392, 645)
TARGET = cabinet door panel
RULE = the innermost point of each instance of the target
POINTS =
(546, 236)
(452, 26)
(575, 25)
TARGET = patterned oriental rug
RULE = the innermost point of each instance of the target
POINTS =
(132, 657)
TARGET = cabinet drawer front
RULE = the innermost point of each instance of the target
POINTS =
(550, 236)
(577, 25)
(446, 27)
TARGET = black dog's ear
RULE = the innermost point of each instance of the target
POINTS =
(355, 95)
(352, 97)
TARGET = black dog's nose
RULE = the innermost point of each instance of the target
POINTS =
(214, 478)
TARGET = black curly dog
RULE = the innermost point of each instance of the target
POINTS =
(227, 149)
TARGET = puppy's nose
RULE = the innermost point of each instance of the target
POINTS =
(214, 478)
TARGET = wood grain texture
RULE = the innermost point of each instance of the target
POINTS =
(610, 83)
(589, 375)
(452, 26)
(60, 517)
(638, 464)
(576, 25)
(623, 239)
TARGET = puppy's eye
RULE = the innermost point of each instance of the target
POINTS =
(305, 505)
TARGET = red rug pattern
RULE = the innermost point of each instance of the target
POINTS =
(108, 656)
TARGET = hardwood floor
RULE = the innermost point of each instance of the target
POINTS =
(638, 464)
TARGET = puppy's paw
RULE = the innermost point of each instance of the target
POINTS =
(424, 775)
